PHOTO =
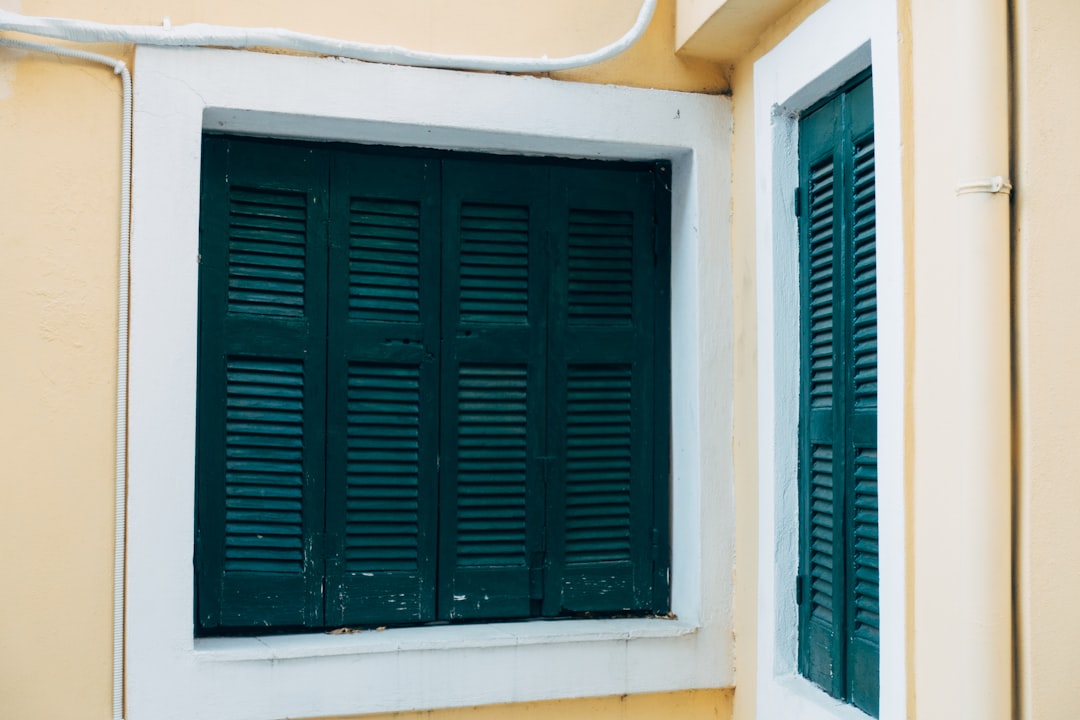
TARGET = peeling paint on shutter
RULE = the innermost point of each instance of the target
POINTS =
(602, 374)
(382, 418)
(261, 390)
(493, 358)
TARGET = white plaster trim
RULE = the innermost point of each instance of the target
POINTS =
(178, 93)
(827, 49)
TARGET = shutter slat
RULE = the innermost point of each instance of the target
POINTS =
(491, 472)
(600, 267)
(384, 260)
(591, 536)
(494, 263)
(821, 294)
(864, 278)
(267, 240)
(367, 493)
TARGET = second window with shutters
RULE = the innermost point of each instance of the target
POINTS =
(838, 575)
(432, 387)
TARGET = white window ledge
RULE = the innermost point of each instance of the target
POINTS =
(444, 637)
(801, 699)
(182, 93)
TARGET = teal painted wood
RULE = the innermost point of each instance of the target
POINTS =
(382, 418)
(862, 539)
(494, 327)
(601, 392)
(821, 450)
(261, 387)
(430, 387)
(839, 642)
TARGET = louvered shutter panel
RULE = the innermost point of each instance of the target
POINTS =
(863, 627)
(602, 395)
(822, 454)
(838, 418)
(261, 396)
(382, 421)
(493, 395)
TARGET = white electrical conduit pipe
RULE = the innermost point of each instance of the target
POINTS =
(234, 37)
(120, 69)
(198, 34)
(975, 605)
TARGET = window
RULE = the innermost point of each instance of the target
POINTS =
(183, 94)
(838, 613)
(828, 53)
(432, 387)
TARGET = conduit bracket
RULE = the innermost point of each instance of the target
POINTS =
(993, 186)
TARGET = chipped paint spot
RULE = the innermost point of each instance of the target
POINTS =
(458, 598)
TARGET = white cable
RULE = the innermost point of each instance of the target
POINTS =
(197, 34)
(120, 69)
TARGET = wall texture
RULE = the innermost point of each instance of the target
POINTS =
(59, 197)
(1047, 345)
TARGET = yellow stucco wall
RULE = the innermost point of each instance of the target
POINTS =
(59, 200)
(744, 272)
(1047, 346)
(692, 705)
(59, 126)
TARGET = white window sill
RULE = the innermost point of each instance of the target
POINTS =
(435, 638)
(793, 696)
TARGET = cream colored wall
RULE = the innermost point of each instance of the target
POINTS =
(724, 30)
(745, 445)
(692, 705)
(59, 200)
(1047, 347)
(930, 120)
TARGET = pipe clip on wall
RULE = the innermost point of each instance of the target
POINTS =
(993, 186)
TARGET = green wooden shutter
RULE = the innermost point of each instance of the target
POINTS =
(493, 394)
(839, 642)
(862, 540)
(382, 437)
(261, 393)
(602, 398)
(821, 431)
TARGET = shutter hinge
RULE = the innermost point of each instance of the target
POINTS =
(799, 587)
(798, 203)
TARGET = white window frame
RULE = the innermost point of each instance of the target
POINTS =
(827, 49)
(179, 94)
